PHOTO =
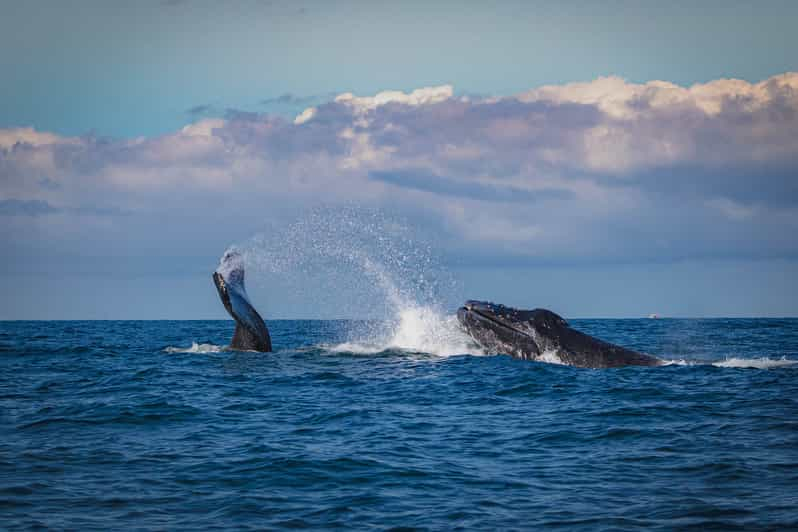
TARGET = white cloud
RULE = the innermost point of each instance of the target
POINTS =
(624, 100)
(203, 128)
(305, 115)
(364, 104)
(422, 96)
(602, 168)
(28, 135)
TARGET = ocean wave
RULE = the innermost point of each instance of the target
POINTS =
(196, 348)
(757, 363)
(384, 440)
(736, 362)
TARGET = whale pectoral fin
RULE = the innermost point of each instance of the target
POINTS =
(245, 340)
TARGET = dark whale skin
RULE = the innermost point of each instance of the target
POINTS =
(531, 334)
(251, 333)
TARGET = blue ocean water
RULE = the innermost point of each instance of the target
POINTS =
(150, 425)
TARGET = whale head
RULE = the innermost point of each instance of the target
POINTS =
(542, 335)
(501, 329)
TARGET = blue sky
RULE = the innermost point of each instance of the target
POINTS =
(135, 68)
(602, 159)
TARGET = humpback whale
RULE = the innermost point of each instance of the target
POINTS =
(542, 335)
(251, 333)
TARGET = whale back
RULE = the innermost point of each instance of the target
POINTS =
(541, 334)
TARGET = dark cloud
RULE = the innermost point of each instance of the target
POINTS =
(237, 115)
(199, 110)
(419, 179)
(288, 99)
(770, 184)
(17, 207)
(49, 184)
(86, 210)
(293, 100)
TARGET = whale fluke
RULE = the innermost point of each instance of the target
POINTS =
(251, 333)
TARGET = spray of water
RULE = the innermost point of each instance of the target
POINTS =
(355, 262)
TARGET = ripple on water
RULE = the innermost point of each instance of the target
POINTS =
(155, 425)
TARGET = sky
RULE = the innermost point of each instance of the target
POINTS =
(603, 159)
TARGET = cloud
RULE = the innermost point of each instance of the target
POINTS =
(291, 100)
(16, 207)
(423, 96)
(424, 181)
(199, 110)
(305, 115)
(659, 123)
(601, 170)
(30, 137)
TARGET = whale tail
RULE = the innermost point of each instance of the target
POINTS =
(251, 332)
(244, 340)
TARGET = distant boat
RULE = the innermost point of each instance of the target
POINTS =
(653, 316)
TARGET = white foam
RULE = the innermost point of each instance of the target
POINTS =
(356, 348)
(196, 348)
(681, 362)
(736, 362)
(416, 329)
(424, 329)
(550, 357)
(758, 363)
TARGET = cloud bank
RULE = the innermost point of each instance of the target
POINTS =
(604, 170)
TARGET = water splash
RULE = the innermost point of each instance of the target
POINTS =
(415, 330)
(357, 262)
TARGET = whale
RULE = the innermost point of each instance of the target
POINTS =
(543, 336)
(251, 333)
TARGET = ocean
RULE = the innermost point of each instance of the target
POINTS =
(154, 425)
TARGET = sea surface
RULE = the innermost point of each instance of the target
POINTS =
(154, 425)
